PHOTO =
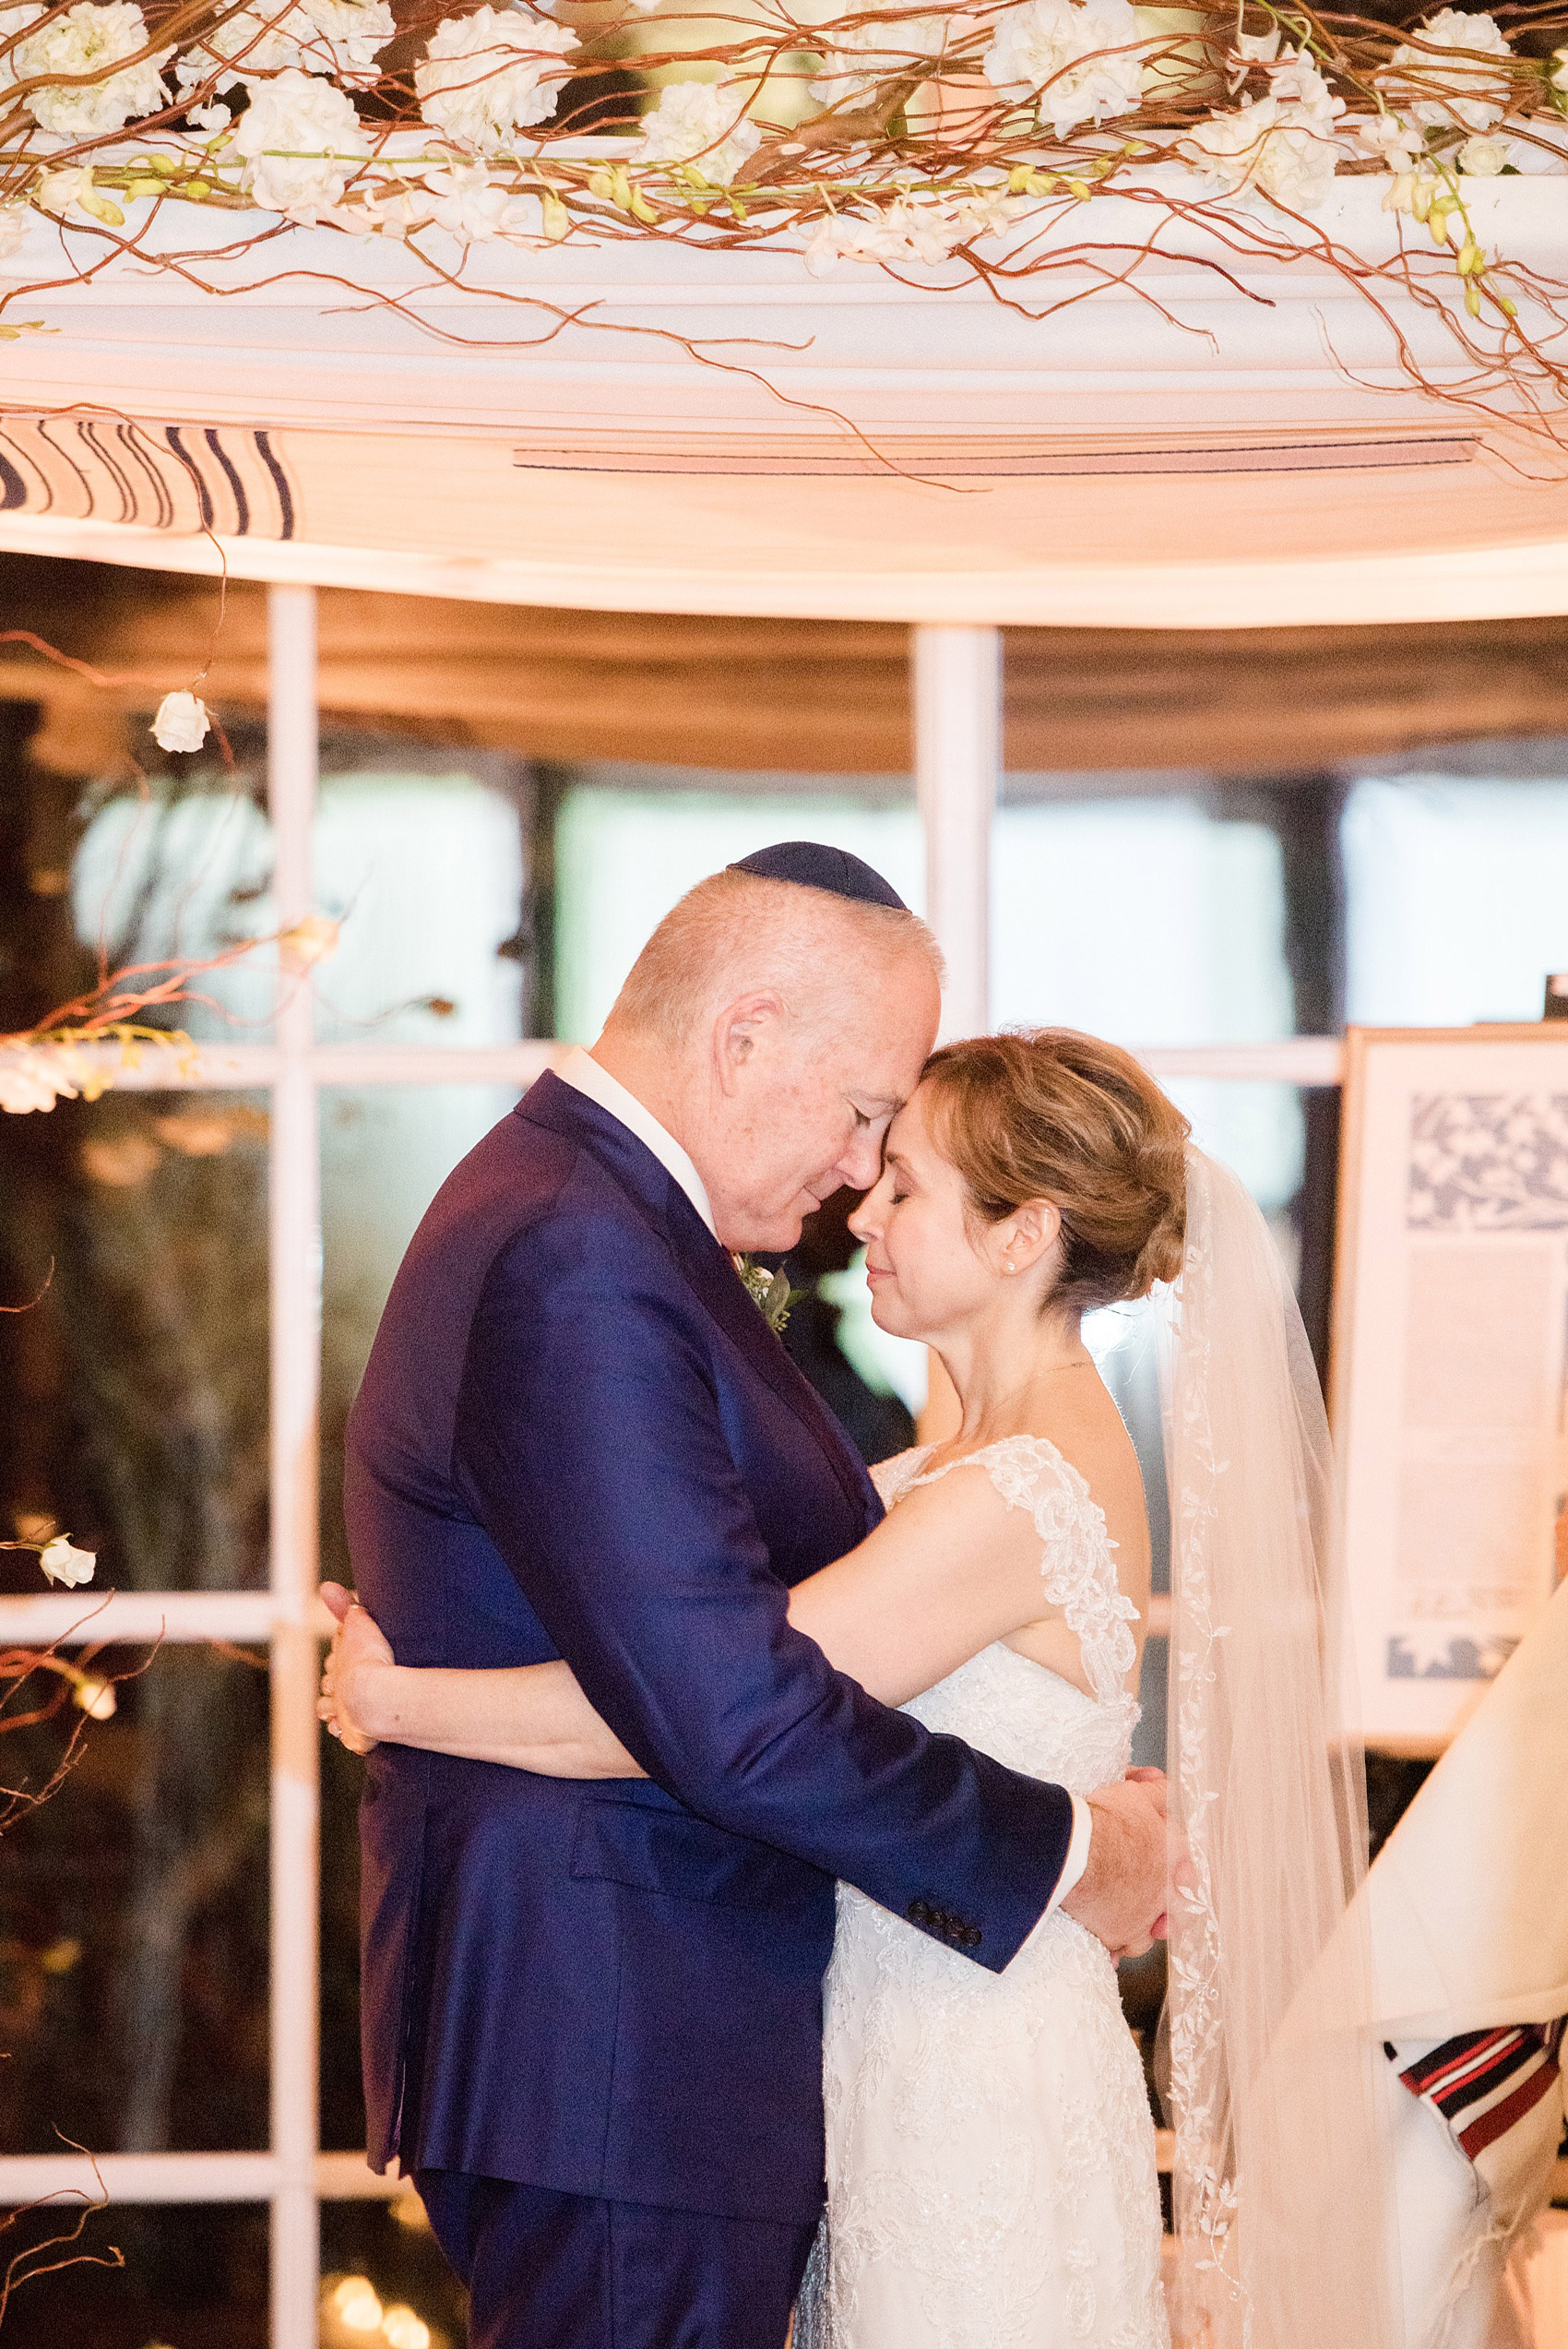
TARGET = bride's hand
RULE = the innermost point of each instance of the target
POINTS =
(359, 1650)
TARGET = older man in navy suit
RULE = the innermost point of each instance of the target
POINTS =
(592, 2012)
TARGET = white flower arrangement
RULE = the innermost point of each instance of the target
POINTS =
(908, 134)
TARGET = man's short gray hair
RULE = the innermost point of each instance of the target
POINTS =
(738, 931)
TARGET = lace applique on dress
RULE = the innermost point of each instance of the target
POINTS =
(991, 2179)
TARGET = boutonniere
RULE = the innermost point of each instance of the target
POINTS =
(769, 1292)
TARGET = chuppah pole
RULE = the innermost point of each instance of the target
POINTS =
(295, 1237)
(958, 697)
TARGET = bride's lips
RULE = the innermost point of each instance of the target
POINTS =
(875, 1272)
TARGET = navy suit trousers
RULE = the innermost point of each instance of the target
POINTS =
(550, 2271)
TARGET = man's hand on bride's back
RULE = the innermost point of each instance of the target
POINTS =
(358, 1646)
(1120, 1897)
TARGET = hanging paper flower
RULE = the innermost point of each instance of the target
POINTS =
(181, 722)
(62, 1562)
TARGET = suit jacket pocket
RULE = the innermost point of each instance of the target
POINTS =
(687, 1860)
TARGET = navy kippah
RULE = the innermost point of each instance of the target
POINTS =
(815, 866)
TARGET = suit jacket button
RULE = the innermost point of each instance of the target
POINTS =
(919, 1913)
(973, 1937)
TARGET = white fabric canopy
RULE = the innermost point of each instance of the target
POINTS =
(648, 426)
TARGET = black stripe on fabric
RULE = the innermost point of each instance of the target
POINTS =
(164, 520)
(121, 480)
(285, 497)
(66, 457)
(204, 496)
(11, 483)
(242, 503)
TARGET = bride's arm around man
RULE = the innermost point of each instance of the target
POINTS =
(592, 2014)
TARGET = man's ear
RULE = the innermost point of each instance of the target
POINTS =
(740, 1028)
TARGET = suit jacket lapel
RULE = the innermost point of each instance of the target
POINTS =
(706, 1265)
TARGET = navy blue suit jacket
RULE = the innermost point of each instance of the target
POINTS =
(577, 1436)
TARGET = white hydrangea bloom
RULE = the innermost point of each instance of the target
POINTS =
(345, 37)
(923, 226)
(1057, 49)
(32, 1079)
(485, 76)
(702, 123)
(474, 211)
(338, 37)
(15, 221)
(1283, 144)
(1436, 89)
(300, 139)
(866, 53)
(87, 38)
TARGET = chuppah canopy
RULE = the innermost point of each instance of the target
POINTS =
(1223, 440)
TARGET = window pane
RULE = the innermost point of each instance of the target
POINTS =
(425, 873)
(194, 2276)
(133, 1913)
(395, 2253)
(133, 1394)
(625, 850)
(1456, 905)
(1152, 921)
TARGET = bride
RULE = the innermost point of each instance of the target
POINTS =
(991, 2153)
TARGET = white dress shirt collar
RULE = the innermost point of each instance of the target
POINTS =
(580, 1070)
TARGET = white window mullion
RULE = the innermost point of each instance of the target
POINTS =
(295, 1296)
(956, 675)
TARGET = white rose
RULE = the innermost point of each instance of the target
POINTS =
(485, 76)
(301, 139)
(702, 123)
(1483, 158)
(64, 1563)
(86, 40)
(1439, 90)
(1062, 51)
(180, 723)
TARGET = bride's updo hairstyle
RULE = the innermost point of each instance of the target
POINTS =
(1046, 1113)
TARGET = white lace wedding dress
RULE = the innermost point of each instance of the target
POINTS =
(991, 2157)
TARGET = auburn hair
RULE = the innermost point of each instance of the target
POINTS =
(1047, 1113)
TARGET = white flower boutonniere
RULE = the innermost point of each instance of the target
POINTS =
(769, 1292)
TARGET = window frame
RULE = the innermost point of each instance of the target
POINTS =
(956, 679)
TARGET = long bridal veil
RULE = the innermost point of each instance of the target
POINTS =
(1281, 2178)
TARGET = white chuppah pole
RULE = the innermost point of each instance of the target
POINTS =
(296, 1242)
(958, 695)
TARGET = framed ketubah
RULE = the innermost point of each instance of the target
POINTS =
(1449, 1385)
